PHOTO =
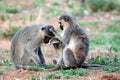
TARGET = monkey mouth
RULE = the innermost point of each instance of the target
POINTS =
(61, 26)
(51, 34)
(46, 39)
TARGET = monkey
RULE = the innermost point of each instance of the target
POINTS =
(58, 46)
(26, 45)
(75, 40)
(75, 43)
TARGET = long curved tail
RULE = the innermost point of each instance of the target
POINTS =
(85, 66)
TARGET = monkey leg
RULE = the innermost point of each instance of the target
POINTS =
(60, 61)
(30, 49)
(32, 55)
(68, 58)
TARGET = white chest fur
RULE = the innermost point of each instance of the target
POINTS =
(72, 44)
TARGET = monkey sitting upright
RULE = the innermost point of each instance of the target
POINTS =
(75, 43)
(26, 41)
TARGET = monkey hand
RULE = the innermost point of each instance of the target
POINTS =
(53, 31)
(36, 59)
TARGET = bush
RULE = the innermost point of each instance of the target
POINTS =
(102, 5)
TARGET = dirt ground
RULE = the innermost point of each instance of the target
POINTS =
(9, 73)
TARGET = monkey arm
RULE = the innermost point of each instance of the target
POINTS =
(60, 60)
(30, 48)
(57, 35)
(66, 38)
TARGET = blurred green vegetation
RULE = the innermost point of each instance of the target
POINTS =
(111, 68)
(106, 60)
(109, 37)
(53, 10)
(9, 8)
(9, 32)
(67, 73)
(102, 5)
(38, 2)
(6, 62)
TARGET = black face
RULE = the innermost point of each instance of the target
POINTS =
(47, 39)
(56, 45)
(66, 18)
(48, 31)
(49, 34)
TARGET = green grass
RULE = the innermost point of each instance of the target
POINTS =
(4, 16)
(38, 2)
(106, 41)
(53, 76)
(30, 17)
(67, 73)
(112, 68)
(106, 60)
(53, 10)
(1, 72)
(34, 78)
(43, 67)
(12, 9)
(55, 3)
(102, 5)
(6, 63)
(107, 37)
(92, 23)
(10, 32)
(71, 72)
(109, 63)
(9, 8)
(113, 28)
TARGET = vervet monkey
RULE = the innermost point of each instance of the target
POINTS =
(26, 42)
(75, 43)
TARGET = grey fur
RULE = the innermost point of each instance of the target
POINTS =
(26, 42)
(75, 41)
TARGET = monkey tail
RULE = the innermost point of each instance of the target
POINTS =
(63, 68)
(85, 66)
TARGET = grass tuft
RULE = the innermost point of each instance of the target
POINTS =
(6, 63)
(53, 76)
(38, 2)
(111, 68)
(80, 72)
